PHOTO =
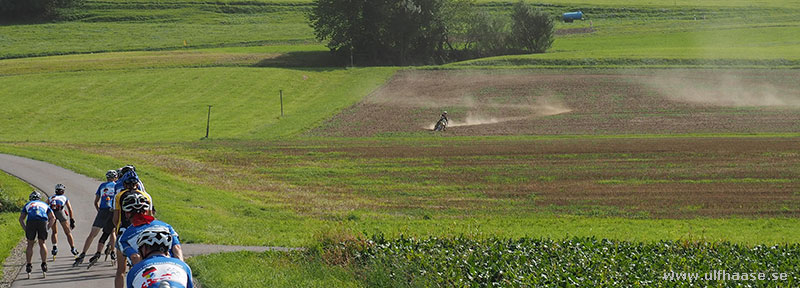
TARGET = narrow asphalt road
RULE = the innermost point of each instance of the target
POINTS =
(80, 190)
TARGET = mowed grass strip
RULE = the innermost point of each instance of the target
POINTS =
(171, 104)
(749, 46)
(14, 194)
(217, 57)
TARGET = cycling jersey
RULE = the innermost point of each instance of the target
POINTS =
(58, 202)
(128, 239)
(106, 193)
(36, 210)
(158, 268)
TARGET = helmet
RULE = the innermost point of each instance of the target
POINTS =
(131, 180)
(445, 112)
(60, 188)
(111, 174)
(157, 237)
(126, 169)
(135, 203)
(34, 196)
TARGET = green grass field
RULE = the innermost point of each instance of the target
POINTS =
(14, 193)
(120, 82)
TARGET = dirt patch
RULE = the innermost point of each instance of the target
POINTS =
(575, 102)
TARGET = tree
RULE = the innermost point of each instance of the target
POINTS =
(398, 32)
(532, 30)
(33, 8)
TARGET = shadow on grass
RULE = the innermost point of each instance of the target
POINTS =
(304, 59)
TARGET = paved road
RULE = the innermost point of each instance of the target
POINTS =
(80, 190)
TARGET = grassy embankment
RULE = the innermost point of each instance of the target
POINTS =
(14, 193)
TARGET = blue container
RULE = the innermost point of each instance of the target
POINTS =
(571, 16)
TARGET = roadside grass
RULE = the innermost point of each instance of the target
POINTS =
(14, 193)
(268, 269)
(171, 104)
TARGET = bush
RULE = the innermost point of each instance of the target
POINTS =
(9, 205)
(532, 30)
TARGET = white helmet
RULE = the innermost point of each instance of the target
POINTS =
(60, 187)
(157, 237)
(111, 174)
(34, 196)
(135, 203)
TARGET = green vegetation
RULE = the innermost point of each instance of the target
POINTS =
(526, 262)
(269, 269)
(260, 179)
(284, 192)
(88, 106)
(13, 195)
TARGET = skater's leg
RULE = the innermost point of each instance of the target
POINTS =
(68, 232)
(43, 250)
(54, 238)
(29, 251)
(90, 238)
(119, 278)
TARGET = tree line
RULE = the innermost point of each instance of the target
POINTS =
(415, 32)
(34, 9)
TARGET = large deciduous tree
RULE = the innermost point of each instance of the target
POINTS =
(531, 29)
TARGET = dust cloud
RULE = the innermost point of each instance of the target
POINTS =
(723, 89)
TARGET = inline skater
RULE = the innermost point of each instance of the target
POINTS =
(124, 173)
(137, 209)
(58, 203)
(157, 269)
(39, 217)
(104, 204)
(121, 223)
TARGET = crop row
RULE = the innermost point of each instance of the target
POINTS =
(576, 262)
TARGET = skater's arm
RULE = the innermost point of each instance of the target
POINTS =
(69, 209)
(177, 252)
(135, 258)
(51, 218)
(22, 220)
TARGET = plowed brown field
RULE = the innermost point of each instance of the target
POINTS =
(578, 102)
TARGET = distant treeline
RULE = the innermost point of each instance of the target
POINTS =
(415, 32)
(33, 9)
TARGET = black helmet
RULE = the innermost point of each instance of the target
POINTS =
(131, 180)
(34, 196)
(111, 174)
